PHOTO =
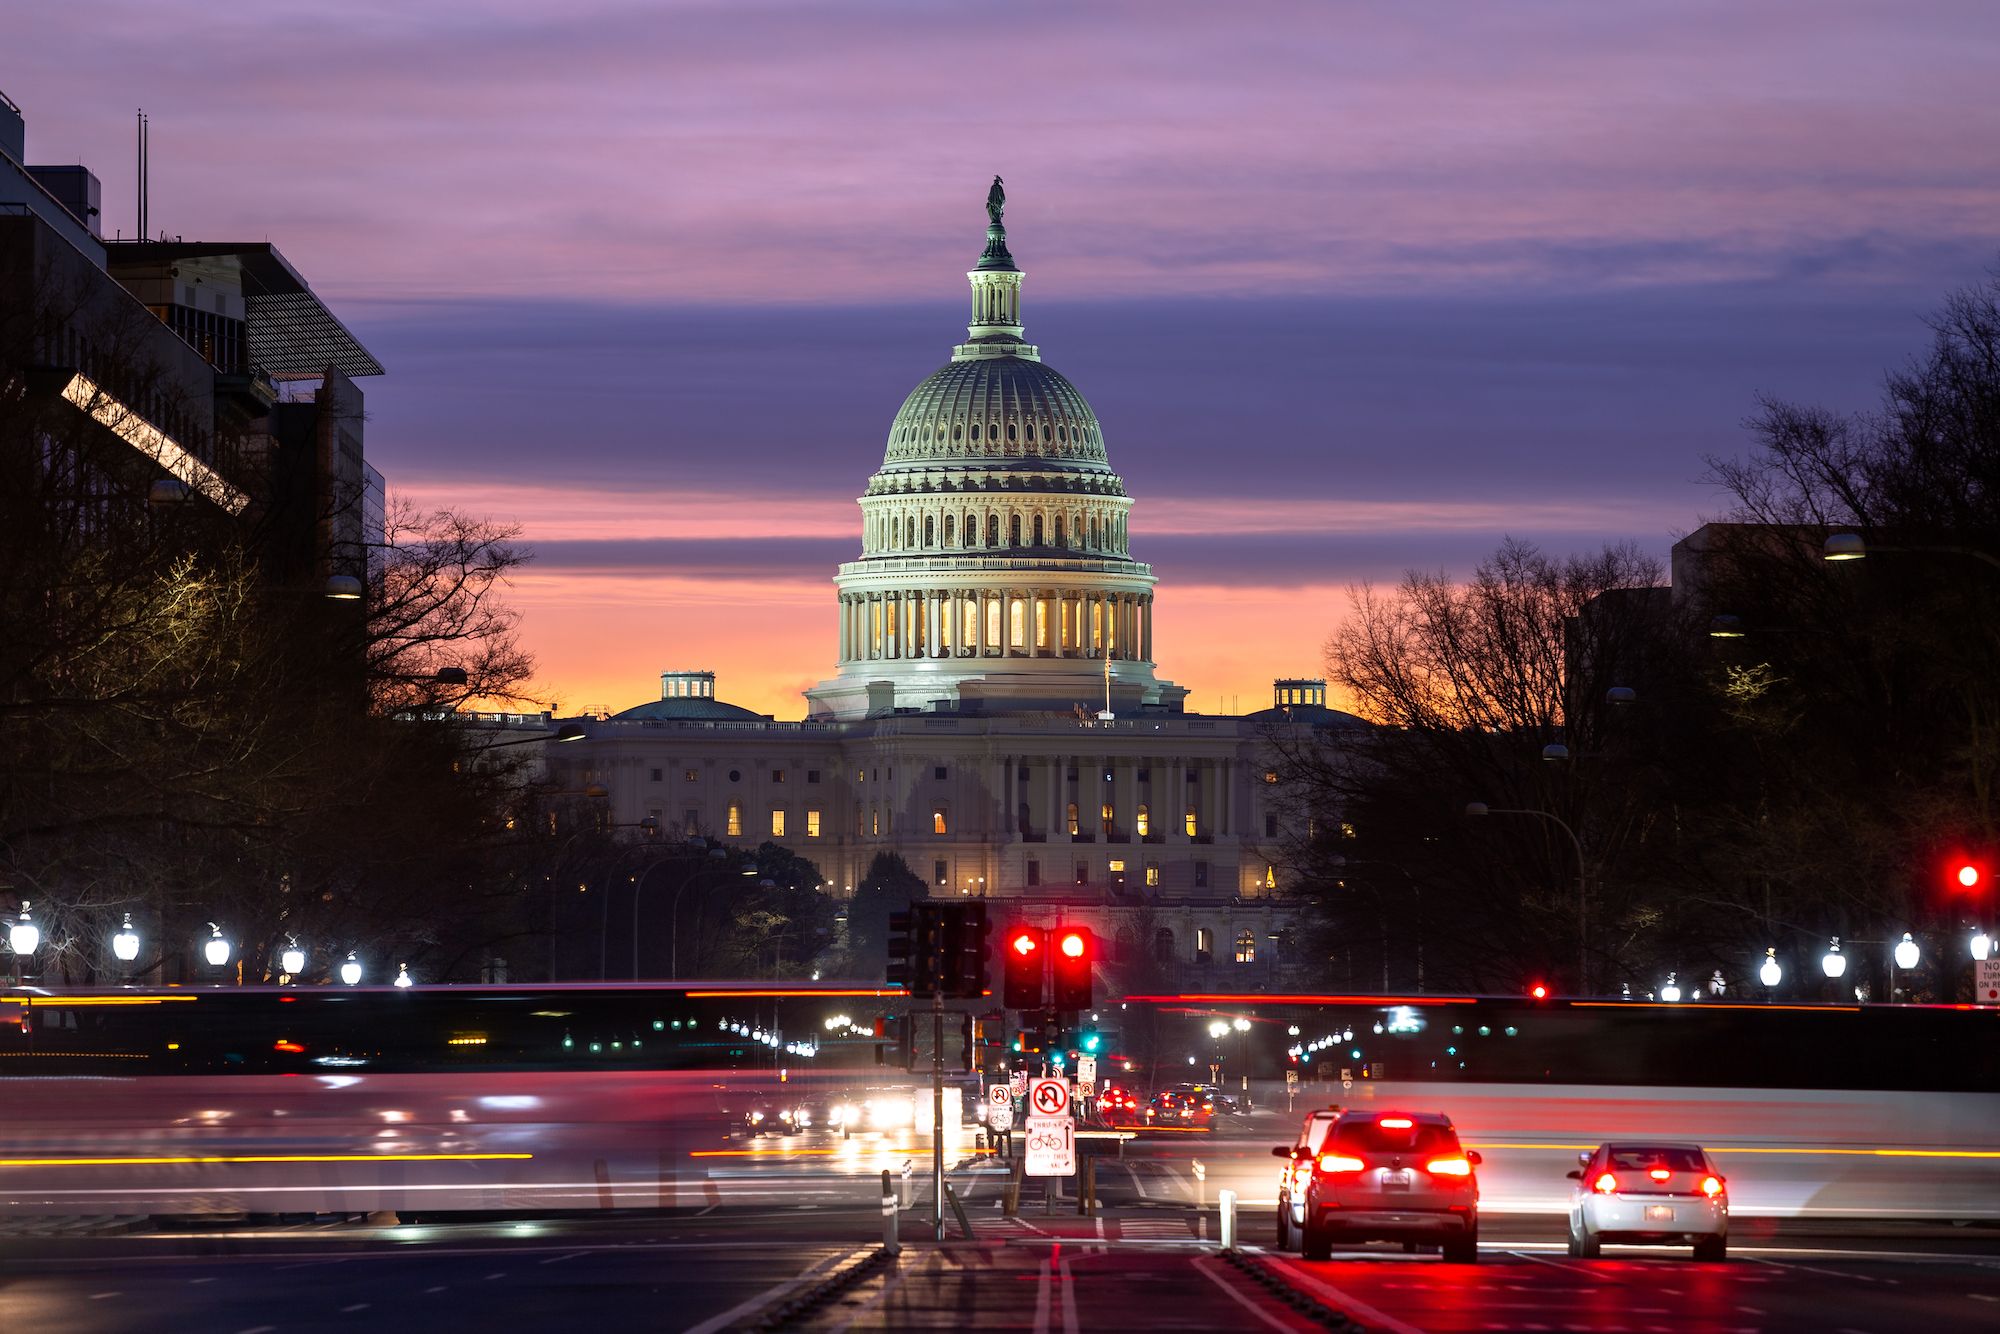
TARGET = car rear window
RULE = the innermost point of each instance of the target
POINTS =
(1640, 1158)
(1374, 1137)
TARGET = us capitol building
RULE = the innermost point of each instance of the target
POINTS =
(995, 716)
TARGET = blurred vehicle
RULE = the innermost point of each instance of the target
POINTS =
(1118, 1106)
(1174, 1108)
(782, 1116)
(1650, 1194)
(1379, 1176)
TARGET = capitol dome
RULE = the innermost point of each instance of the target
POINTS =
(994, 569)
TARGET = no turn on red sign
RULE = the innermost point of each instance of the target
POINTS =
(1048, 1099)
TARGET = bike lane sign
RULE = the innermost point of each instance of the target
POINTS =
(1051, 1148)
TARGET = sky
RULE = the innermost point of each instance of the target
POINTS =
(1353, 288)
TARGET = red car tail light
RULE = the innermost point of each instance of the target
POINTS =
(1456, 1166)
(1605, 1184)
(1395, 1123)
(1340, 1162)
(1659, 1174)
(1711, 1186)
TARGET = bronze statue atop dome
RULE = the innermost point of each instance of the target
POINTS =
(996, 201)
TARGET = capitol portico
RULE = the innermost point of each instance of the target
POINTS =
(995, 716)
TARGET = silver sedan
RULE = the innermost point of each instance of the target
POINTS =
(1660, 1194)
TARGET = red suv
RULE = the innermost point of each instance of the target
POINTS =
(1379, 1176)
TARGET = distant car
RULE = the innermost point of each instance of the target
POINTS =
(1179, 1109)
(1379, 1176)
(1650, 1193)
(1118, 1106)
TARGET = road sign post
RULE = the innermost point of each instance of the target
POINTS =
(1986, 981)
(1086, 1076)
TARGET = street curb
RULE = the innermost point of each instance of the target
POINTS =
(1303, 1302)
(803, 1305)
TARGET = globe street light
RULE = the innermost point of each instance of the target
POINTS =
(293, 961)
(125, 944)
(24, 937)
(1671, 992)
(1833, 963)
(216, 949)
(1906, 953)
(403, 975)
(350, 971)
(1982, 944)
(1768, 972)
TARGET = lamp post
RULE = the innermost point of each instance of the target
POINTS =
(293, 961)
(638, 892)
(125, 944)
(23, 939)
(350, 970)
(1480, 808)
(1415, 892)
(674, 931)
(215, 949)
(1769, 973)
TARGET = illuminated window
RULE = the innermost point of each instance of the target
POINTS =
(812, 824)
(1144, 822)
(1105, 815)
(860, 821)
(690, 775)
(940, 819)
(1017, 622)
(734, 825)
(1073, 827)
(777, 775)
(1246, 947)
(1204, 944)
(691, 823)
(1193, 825)
(875, 820)
(1152, 873)
(1117, 866)
(1270, 775)
(777, 824)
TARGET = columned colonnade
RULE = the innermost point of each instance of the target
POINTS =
(1185, 798)
(995, 623)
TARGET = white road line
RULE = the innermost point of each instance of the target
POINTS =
(100, 1296)
(1354, 1307)
(439, 1288)
(1041, 1325)
(558, 1259)
(1206, 1268)
(1826, 1273)
(491, 1277)
(257, 1329)
(1070, 1324)
(1748, 1310)
(350, 1310)
(1983, 1297)
(209, 1279)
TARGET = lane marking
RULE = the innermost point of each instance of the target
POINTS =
(350, 1310)
(439, 1288)
(1207, 1269)
(1781, 1152)
(1070, 1323)
(558, 1259)
(491, 1277)
(1826, 1273)
(1354, 1307)
(1041, 1325)
(100, 1296)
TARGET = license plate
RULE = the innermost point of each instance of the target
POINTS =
(1663, 1213)
(1396, 1180)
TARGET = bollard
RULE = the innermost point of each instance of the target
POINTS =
(1200, 1185)
(890, 1241)
(1086, 1187)
(1225, 1201)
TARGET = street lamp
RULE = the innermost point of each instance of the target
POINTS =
(1477, 809)
(215, 949)
(1982, 944)
(293, 961)
(1671, 992)
(403, 975)
(350, 971)
(24, 937)
(125, 944)
(1768, 972)
(1906, 953)
(1833, 963)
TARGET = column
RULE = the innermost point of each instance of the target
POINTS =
(1058, 826)
(933, 622)
(1227, 781)
(1146, 636)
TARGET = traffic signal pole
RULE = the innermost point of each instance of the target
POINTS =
(937, 1115)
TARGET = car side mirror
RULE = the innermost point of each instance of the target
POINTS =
(1472, 1156)
(1574, 1175)
(1283, 1151)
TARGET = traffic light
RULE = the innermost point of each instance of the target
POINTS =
(916, 949)
(1538, 992)
(892, 1042)
(965, 950)
(1967, 875)
(1023, 969)
(1073, 953)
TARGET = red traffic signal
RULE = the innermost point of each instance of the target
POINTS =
(1023, 967)
(1075, 954)
(1538, 991)
(1967, 875)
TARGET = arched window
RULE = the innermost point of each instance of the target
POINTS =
(948, 530)
(941, 819)
(975, 432)
(1059, 532)
(1109, 814)
(1163, 945)
(1246, 947)
(1014, 530)
(958, 432)
(1074, 828)
(992, 530)
(1038, 530)
(733, 826)
(1144, 821)
(930, 535)
(1010, 433)
(1193, 825)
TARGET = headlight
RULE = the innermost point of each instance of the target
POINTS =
(756, 1118)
